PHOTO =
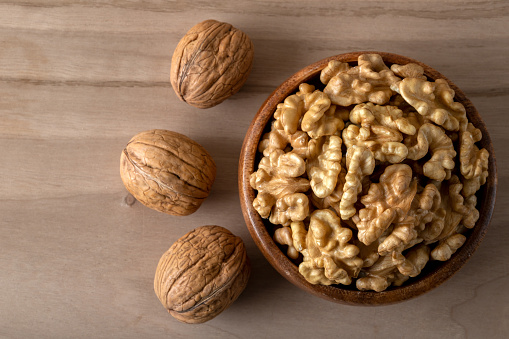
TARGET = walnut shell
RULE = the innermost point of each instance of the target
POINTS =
(211, 63)
(202, 274)
(167, 171)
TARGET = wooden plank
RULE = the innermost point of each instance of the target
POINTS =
(79, 78)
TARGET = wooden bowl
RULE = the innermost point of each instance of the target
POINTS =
(262, 230)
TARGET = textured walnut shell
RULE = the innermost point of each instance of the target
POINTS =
(167, 171)
(202, 274)
(211, 63)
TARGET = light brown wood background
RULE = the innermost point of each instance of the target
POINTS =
(79, 78)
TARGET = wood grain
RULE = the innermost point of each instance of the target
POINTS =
(79, 78)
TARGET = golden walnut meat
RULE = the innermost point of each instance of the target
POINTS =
(202, 274)
(167, 171)
(211, 63)
(371, 174)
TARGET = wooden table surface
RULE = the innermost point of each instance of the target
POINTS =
(79, 78)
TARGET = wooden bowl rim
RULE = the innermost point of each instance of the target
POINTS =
(289, 270)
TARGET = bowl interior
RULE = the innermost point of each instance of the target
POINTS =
(262, 230)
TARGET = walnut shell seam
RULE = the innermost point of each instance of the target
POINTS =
(159, 182)
(223, 287)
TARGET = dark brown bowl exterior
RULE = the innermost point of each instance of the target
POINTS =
(264, 241)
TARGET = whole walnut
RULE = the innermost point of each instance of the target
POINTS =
(202, 274)
(167, 171)
(211, 63)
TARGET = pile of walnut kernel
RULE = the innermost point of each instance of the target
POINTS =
(372, 177)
